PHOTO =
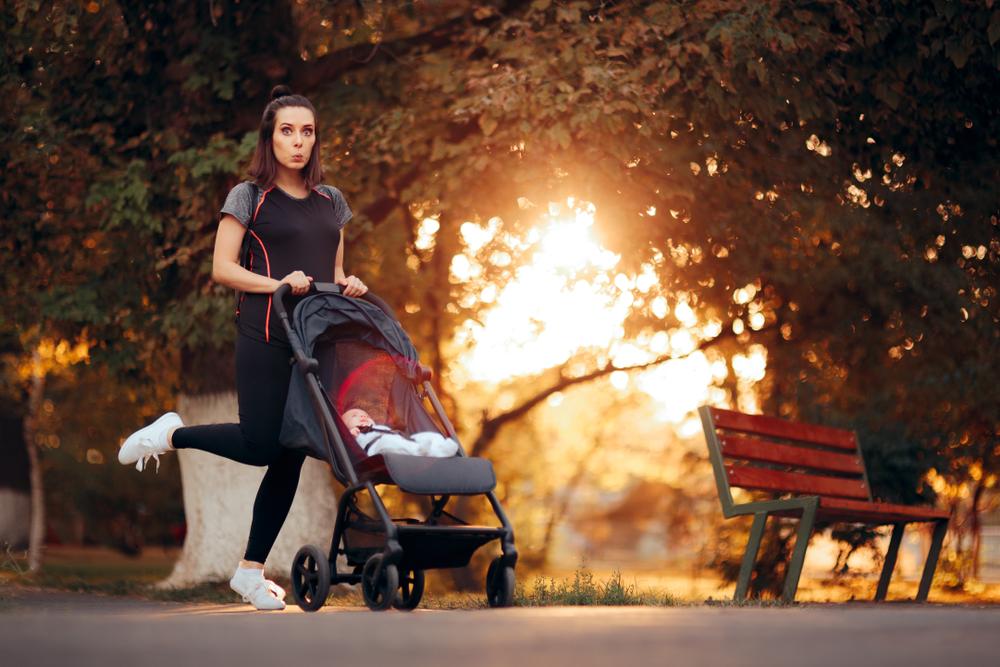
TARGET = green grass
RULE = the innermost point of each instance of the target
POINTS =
(584, 590)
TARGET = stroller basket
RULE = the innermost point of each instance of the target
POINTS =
(424, 546)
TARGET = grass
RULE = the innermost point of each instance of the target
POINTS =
(755, 603)
(583, 589)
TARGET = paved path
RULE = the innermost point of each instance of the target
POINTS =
(65, 629)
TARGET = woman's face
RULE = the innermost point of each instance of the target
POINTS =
(294, 136)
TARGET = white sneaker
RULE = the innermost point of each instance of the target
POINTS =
(262, 593)
(150, 441)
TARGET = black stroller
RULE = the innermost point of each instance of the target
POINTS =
(352, 351)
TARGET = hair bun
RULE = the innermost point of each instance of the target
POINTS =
(280, 91)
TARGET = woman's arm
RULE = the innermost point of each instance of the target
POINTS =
(226, 269)
(352, 285)
(338, 266)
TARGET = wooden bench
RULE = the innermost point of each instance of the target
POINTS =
(816, 473)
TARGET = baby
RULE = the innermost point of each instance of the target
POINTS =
(380, 439)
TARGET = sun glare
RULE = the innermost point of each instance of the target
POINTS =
(568, 298)
(548, 312)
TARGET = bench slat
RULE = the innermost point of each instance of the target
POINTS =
(832, 506)
(872, 513)
(752, 449)
(781, 428)
(792, 482)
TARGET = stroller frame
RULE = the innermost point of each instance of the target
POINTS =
(398, 550)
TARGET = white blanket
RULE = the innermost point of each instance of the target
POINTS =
(381, 439)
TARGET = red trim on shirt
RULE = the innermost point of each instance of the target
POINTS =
(267, 263)
(261, 203)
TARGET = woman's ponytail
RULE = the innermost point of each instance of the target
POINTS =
(280, 91)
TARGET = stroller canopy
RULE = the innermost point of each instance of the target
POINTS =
(366, 360)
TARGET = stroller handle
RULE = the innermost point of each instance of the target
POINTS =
(278, 298)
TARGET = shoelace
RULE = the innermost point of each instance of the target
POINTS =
(140, 465)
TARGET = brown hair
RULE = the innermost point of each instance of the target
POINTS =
(264, 166)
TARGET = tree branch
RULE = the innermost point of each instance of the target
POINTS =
(307, 76)
(492, 425)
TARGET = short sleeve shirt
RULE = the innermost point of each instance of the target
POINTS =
(286, 234)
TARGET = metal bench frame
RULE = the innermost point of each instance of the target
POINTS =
(806, 507)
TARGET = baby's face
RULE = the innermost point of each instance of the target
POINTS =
(355, 419)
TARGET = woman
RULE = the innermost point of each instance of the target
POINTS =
(295, 229)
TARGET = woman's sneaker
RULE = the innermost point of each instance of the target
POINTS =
(262, 593)
(150, 441)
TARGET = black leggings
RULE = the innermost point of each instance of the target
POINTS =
(262, 375)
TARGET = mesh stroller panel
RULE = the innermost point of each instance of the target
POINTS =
(362, 378)
(365, 360)
(354, 374)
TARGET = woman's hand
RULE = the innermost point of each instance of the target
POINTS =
(352, 286)
(298, 281)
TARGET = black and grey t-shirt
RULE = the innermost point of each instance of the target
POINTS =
(286, 234)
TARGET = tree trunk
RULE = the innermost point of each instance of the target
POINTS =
(218, 501)
(36, 531)
(561, 506)
(15, 476)
(975, 525)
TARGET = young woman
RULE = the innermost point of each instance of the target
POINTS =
(295, 228)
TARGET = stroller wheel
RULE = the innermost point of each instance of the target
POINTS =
(411, 589)
(499, 584)
(310, 577)
(378, 583)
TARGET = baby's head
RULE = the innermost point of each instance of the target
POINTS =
(355, 418)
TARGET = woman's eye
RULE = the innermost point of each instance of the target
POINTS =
(308, 133)
(285, 130)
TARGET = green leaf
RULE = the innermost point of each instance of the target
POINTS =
(959, 52)
(993, 32)
(560, 135)
(488, 124)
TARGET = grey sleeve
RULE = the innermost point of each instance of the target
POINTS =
(239, 203)
(341, 211)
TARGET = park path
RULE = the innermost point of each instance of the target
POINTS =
(49, 628)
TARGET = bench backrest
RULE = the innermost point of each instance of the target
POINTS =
(787, 458)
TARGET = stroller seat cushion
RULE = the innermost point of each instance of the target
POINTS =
(429, 475)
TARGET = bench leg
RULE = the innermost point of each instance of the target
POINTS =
(799, 554)
(940, 528)
(753, 546)
(890, 561)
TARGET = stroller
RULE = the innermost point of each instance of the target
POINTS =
(353, 351)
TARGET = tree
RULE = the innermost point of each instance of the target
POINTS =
(816, 179)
